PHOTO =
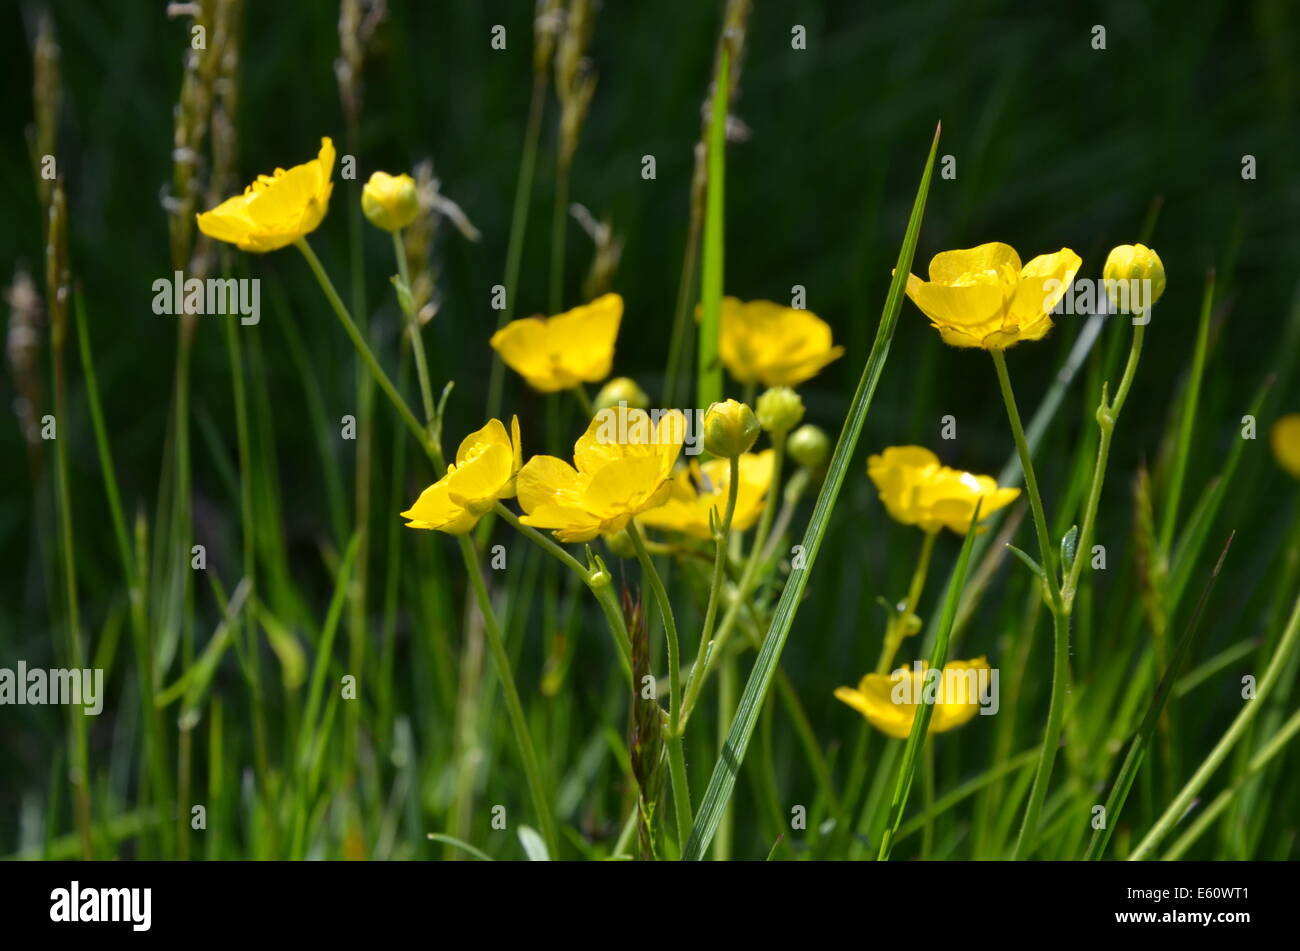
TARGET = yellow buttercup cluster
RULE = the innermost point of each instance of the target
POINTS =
(917, 490)
(701, 489)
(621, 469)
(763, 342)
(889, 701)
(484, 471)
(560, 352)
(277, 209)
(983, 297)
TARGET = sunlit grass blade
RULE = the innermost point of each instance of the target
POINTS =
(723, 780)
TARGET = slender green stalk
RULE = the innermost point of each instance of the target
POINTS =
(673, 736)
(1221, 802)
(1060, 625)
(709, 367)
(518, 226)
(514, 708)
(413, 328)
(363, 348)
(1170, 817)
(897, 627)
(721, 538)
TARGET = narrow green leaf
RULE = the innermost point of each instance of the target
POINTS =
(723, 780)
(709, 385)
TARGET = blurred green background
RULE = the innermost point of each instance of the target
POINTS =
(1055, 144)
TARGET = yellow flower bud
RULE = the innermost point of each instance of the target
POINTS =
(1134, 262)
(621, 389)
(730, 429)
(779, 409)
(809, 446)
(390, 201)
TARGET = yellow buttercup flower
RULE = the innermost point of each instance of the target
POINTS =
(763, 342)
(486, 465)
(699, 489)
(730, 429)
(889, 702)
(1285, 439)
(277, 209)
(390, 201)
(560, 352)
(623, 463)
(982, 297)
(917, 490)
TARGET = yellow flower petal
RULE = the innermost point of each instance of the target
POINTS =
(565, 350)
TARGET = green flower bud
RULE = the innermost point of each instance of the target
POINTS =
(730, 429)
(809, 446)
(621, 389)
(780, 409)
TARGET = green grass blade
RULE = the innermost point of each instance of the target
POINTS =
(1146, 731)
(921, 719)
(723, 780)
(709, 384)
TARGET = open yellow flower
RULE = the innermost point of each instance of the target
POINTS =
(699, 489)
(623, 463)
(1285, 440)
(277, 209)
(763, 342)
(982, 297)
(559, 352)
(889, 702)
(917, 490)
(484, 471)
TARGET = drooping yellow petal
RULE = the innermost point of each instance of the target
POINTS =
(275, 210)
(761, 341)
(560, 352)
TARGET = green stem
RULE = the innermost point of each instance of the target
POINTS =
(518, 226)
(1184, 799)
(1107, 414)
(515, 709)
(1060, 625)
(720, 540)
(897, 628)
(363, 348)
(673, 737)
(413, 327)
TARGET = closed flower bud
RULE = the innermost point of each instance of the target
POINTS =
(779, 409)
(390, 201)
(809, 446)
(1134, 262)
(730, 429)
(621, 390)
